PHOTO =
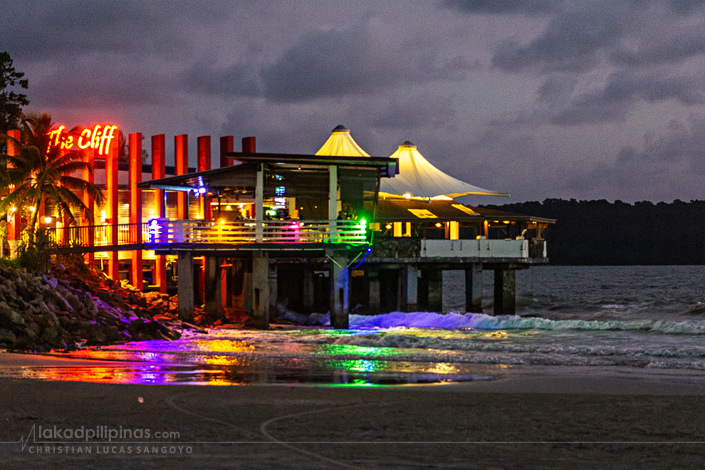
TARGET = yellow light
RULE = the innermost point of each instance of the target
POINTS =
(228, 207)
(506, 222)
(407, 195)
(47, 220)
(221, 221)
(388, 226)
(438, 224)
(14, 209)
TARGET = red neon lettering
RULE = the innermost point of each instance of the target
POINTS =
(99, 138)
(87, 134)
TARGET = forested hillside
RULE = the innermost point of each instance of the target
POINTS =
(604, 233)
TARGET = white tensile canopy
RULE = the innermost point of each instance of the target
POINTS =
(418, 178)
(341, 144)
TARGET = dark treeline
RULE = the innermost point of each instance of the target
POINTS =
(604, 233)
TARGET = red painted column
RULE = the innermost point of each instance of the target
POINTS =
(158, 172)
(181, 167)
(14, 218)
(111, 185)
(249, 145)
(136, 206)
(227, 144)
(204, 164)
(89, 176)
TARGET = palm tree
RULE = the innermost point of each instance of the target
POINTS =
(43, 173)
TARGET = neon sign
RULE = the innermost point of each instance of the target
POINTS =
(97, 138)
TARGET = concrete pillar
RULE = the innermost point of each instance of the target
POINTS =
(473, 288)
(375, 291)
(181, 168)
(185, 285)
(227, 144)
(212, 286)
(158, 172)
(409, 288)
(273, 288)
(308, 291)
(339, 302)
(504, 292)
(259, 205)
(111, 184)
(136, 206)
(435, 289)
(260, 291)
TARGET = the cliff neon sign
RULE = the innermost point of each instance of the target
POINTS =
(97, 138)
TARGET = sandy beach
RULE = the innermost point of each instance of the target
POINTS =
(542, 418)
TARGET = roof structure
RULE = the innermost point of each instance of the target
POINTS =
(341, 144)
(419, 178)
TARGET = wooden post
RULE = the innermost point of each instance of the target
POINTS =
(504, 291)
(473, 288)
(185, 285)
(212, 295)
(375, 291)
(89, 176)
(136, 206)
(158, 172)
(435, 289)
(409, 288)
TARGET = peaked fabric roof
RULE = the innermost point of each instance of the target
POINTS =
(341, 144)
(419, 178)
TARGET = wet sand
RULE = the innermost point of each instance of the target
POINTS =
(575, 418)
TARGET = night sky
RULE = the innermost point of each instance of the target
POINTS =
(582, 99)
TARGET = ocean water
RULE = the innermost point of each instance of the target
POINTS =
(639, 317)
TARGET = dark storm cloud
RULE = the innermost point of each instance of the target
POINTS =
(496, 7)
(670, 165)
(622, 91)
(429, 111)
(672, 50)
(571, 42)
(236, 80)
(40, 30)
(349, 62)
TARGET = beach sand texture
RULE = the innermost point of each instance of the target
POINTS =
(547, 419)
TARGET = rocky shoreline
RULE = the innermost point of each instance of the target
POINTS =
(61, 310)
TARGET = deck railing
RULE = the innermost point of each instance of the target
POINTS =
(164, 231)
(99, 235)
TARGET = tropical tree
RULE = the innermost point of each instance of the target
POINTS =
(10, 102)
(43, 172)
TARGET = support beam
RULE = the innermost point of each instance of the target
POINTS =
(273, 289)
(185, 285)
(504, 291)
(434, 282)
(159, 171)
(473, 288)
(212, 295)
(111, 183)
(375, 291)
(181, 168)
(308, 290)
(339, 302)
(409, 288)
(260, 291)
(259, 205)
(333, 202)
(203, 146)
(227, 145)
(135, 174)
(89, 202)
